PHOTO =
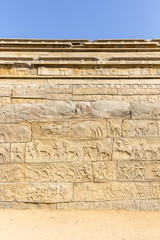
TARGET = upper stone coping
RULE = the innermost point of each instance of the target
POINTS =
(79, 45)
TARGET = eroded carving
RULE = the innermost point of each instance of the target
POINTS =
(104, 171)
(140, 128)
(114, 128)
(49, 193)
(17, 152)
(144, 149)
(4, 153)
(131, 171)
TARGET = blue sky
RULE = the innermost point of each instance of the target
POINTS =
(80, 19)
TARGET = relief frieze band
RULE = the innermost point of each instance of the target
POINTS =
(105, 71)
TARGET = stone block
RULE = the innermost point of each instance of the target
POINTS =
(12, 192)
(49, 193)
(139, 171)
(106, 109)
(115, 191)
(145, 111)
(32, 112)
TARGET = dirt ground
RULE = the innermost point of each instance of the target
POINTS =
(78, 225)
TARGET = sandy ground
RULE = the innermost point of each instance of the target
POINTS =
(78, 225)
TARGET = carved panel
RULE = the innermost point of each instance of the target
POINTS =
(132, 171)
(12, 192)
(103, 71)
(66, 150)
(140, 149)
(70, 129)
(140, 128)
(114, 128)
(15, 133)
(17, 152)
(104, 171)
(12, 173)
(4, 153)
(59, 172)
(49, 193)
(116, 191)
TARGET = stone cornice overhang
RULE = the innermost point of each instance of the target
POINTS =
(19, 58)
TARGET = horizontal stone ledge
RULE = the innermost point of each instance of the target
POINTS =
(98, 109)
(47, 111)
(33, 112)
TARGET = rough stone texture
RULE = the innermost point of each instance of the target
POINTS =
(80, 124)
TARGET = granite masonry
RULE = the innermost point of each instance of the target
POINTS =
(80, 124)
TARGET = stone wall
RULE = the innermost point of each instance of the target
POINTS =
(80, 124)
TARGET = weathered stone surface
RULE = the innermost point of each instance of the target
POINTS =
(28, 92)
(44, 173)
(138, 91)
(12, 192)
(116, 191)
(78, 129)
(149, 205)
(106, 109)
(138, 171)
(102, 205)
(136, 149)
(15, 132)
(140, 128)
(93, 91)
(32, 112)
(66, 150)
(80, 124)
(104, 171)
(49, 193)
(145, 111)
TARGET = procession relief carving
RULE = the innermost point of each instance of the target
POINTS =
(49, 193)
(65, 150)
(143, 149)
(71, 129)
(15, 133)
(67, 172)
(95, 71)
(140, 128)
